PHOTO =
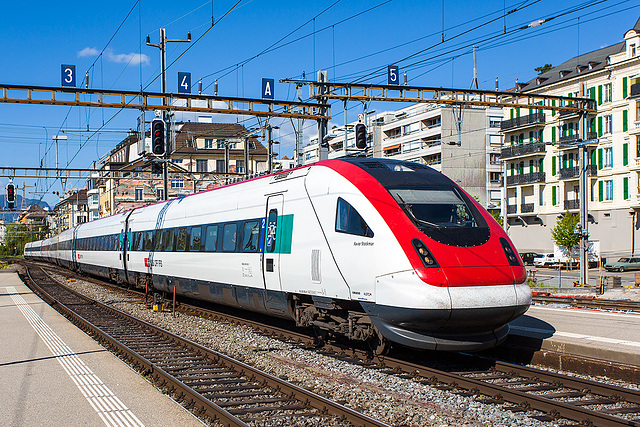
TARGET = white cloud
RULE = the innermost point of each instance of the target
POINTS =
(128, 58)
(88, 51)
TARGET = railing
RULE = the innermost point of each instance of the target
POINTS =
(522, 149)
(575, 137)
(409, 146)
(574, 172)
(526, 178)
(530, 119)
(511, 209)
(527, 207)
(572, 204)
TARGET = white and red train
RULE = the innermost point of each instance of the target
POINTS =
(371, 249)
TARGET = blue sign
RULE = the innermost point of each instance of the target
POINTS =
(68, 75)
(267, 88)
(184, 83)
(392, 75)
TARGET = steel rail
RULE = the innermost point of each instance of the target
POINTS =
(206, 406)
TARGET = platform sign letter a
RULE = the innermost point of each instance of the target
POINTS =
(68, 75)
(267, 88)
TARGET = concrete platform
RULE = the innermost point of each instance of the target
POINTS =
(52, 373)
(611, 337)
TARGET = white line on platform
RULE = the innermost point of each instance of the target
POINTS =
(572, 335)
(110, 409)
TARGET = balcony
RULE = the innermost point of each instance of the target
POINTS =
(574, 172)
(517, 122)
(511, 209)
(571, 204)
(522, 149)
(568, 139)
(527, 178)
(527, 207)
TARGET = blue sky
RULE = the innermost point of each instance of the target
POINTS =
(352, 39)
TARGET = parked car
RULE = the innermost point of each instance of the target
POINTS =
(528, 258)
(623, 264)
(546, 260)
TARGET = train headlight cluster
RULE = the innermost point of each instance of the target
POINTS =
(425, 255)
(509, 252)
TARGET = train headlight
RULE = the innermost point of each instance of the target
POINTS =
(508, 251)
(425, 255)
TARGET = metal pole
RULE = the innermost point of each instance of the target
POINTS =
(322, 123)
(163, 70)
(270, 145)
(246, 157)
(583, 202)
(505, 198)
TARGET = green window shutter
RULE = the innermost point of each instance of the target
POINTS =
(592, 123)
(625, 187)
(592, 93)
(570, 129)
(600, 191)
(624, 88)
(554, 195)
(553, 134)
(541, 165)
(540, 136)
(517, 112)
(599, 126)
(521, 138)
(599, 158)
(625, 154)
(530, 166)
(564, 161)
(553, 165)
(599, 94)
(512, 170)
(521, 168)
(531, 135)
(553, 104)
(511, 113)
(593, 157)
(625, 120)
(530, 111)
(570, 160)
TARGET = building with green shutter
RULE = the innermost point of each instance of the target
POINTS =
(542, 176)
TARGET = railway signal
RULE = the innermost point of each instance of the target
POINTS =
(361, 136)
(157, 137)
(11, 195)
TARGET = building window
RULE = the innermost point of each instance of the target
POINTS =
(495, 176)
(137, 172)
(608, 157)
(201, 165)
(633, 50)
(208, 143)
(494, 122)
(607, 124)
(608, 190)
(177, 183)
(176, 160)
(138, 194)
(159, 193)
(240, 166)
(494, 158)
(607, 93)
(220, 167)
(220, 144)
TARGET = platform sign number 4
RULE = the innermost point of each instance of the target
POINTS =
(184, 83)
(392, 75)
(68, 75)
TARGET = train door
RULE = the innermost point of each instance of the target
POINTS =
(126, 237)
(74, 257)
(271, 255)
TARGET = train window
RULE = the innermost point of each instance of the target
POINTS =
(158, 240)
(148, 241)
(349, 221)
(181, 240)
(250, 236)
(272, 222)
(167, 240)
(442, 207)
(195, 239)
(211, 238)
(229, 237)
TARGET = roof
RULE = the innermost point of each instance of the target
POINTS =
(191, 130)
(587, 63)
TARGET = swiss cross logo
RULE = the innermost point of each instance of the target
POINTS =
(147, 263)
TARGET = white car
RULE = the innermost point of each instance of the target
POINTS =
(547, 260)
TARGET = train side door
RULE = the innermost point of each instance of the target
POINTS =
(271, 255)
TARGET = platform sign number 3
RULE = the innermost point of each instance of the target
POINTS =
(184, 83)
(68, 76)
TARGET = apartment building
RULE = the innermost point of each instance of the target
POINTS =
(542, 159)
(428, 134)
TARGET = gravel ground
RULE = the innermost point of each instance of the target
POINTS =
(396, 401)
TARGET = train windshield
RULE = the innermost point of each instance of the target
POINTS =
(443, 214)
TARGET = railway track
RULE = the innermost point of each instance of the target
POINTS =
(588, 302)
(547, 395)
(211, 384)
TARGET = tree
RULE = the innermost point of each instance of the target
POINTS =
(543, 69)
(564, 235)
(497, 217)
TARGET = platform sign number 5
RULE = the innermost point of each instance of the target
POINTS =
(68, 76)
(392, 75)
(184, 83)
